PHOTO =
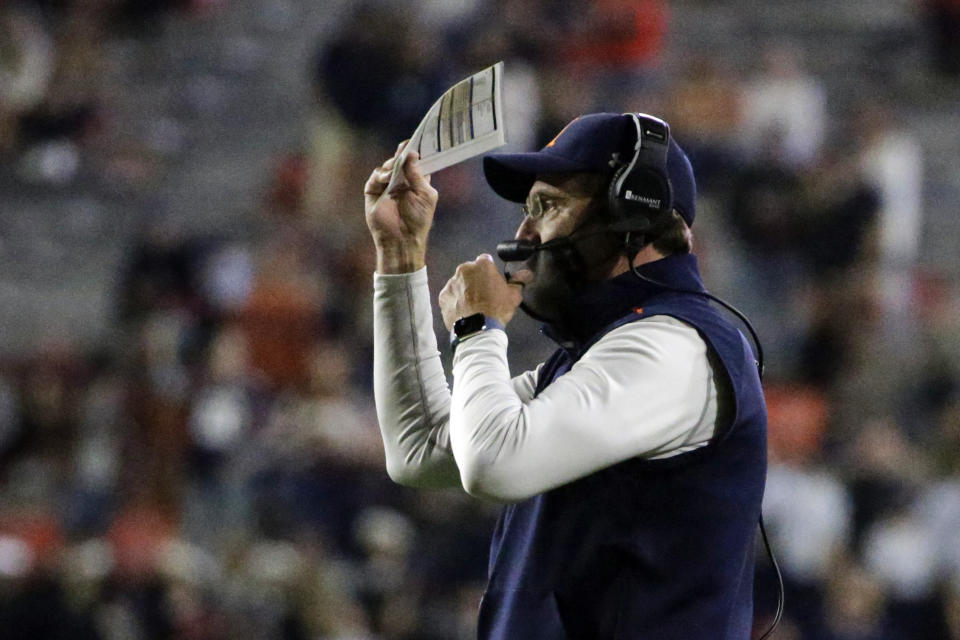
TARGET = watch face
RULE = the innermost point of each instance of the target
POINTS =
(468, 325)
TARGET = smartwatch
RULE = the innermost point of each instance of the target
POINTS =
(471, 325)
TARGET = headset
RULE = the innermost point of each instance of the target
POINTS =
(640, 196)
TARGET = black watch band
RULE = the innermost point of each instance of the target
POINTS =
(471, 325)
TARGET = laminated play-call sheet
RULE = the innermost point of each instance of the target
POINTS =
(466, 121)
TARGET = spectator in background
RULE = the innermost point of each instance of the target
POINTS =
(807, 507)
(376, 74)
(937, 509)
(159, 271)
(810, 515)
(892, 163)
(836, 241)
(33, 604)
(226, 278)
(102, 422)
(281, 317)
(883, 469)
(386, 590)
(837, 215)
(619, 43)
(488, 43)
(933, 384)
(565, 94)
(449, 576)
(900, 551)
(291, 591)
(855, 605)
(52, 132)
(501, 30)
(155, 455)
(707, 106)
(27, 60)
(784, 106)
(763, 209)
(136, 590)
(320, 442)
(224, 414)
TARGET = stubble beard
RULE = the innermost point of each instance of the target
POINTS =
(557, 280)
(561, 274)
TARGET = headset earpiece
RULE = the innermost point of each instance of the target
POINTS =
(640, 195)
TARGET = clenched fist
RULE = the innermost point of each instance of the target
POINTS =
(478, 287)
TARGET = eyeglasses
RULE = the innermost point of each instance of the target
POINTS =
(541, 205)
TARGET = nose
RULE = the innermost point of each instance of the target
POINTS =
(528, 231)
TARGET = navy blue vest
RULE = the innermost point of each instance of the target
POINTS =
(646, 549)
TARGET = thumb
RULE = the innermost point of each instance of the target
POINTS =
(521, 276)
(485, 257)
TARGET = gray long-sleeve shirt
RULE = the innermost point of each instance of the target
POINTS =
(644, 389)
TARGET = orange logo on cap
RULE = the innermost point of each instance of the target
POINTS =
(554, 141)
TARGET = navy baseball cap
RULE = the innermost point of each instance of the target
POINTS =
(590, 143)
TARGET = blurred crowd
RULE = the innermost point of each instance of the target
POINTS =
(213, 469)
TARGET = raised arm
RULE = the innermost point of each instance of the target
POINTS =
(410, 389)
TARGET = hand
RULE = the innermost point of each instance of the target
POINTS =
(400, 220)
(478, 287)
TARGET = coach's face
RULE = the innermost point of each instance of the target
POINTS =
(556, 207)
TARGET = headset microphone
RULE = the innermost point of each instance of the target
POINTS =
(566, 253)
(520, 250)
(517, 250)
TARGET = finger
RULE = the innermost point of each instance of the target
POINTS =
(485, 257)
(375, 184)
(411, 170)
(389, 162)
(378, 180)
(383, 172)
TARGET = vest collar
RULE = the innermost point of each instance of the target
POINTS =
(603, 303)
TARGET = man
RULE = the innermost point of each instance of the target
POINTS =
(632, 462)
